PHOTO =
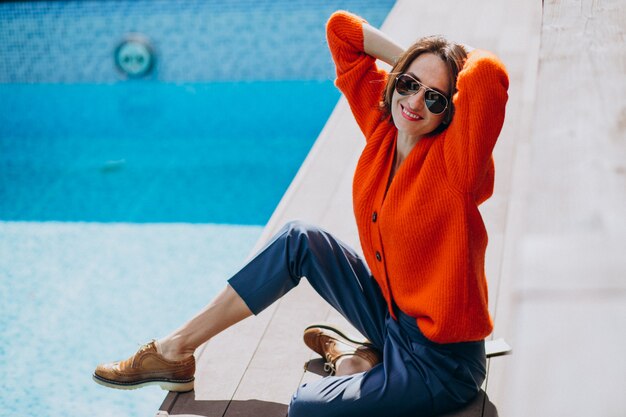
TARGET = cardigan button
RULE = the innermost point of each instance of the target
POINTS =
(378, 256)
(374, 217)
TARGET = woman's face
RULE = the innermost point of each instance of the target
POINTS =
(410, 114)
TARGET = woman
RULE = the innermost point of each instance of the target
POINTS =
(420, 295)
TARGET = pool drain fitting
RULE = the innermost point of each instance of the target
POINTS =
(134, 56)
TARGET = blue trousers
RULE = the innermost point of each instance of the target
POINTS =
(416, 377)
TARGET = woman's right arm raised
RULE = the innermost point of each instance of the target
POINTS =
(355, 46)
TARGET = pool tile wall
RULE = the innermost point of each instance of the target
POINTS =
(74, 41)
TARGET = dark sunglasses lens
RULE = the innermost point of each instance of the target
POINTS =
(405, 85)
(435, 101)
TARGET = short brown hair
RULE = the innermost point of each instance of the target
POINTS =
(452, 54)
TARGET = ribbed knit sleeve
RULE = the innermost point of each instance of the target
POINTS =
(479, 114)
(358, 77)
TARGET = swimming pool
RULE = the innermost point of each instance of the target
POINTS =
(160, 218)
(125, 204)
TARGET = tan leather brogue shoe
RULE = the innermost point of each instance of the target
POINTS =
(147, 367)
(331, 344)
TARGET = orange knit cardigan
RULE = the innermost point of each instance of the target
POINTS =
(423, 236)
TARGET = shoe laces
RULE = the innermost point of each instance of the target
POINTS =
(141, 349)
(329, 366)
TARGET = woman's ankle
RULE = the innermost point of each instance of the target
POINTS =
(172, 350)
(350, 365)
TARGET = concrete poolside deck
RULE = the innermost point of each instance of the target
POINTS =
(556, 222)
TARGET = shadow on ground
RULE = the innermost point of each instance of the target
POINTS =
(186, 404)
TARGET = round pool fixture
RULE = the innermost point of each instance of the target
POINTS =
(134, 56)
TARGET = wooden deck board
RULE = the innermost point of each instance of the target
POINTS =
(221, 362)
(567, 292)
(519, 48)
(281, 354)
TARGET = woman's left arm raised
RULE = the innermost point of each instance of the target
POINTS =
(479, 104)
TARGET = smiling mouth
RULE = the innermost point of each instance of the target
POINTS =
(409, 115)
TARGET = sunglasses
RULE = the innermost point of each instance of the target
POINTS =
(406, 85)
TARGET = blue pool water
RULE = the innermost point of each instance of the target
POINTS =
(76, 294)
(126, 204)
(155, 152)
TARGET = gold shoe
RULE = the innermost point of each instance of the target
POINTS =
(331, 344)
(147, 367)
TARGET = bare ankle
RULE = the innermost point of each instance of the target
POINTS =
(349, 365)
(171, 350)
